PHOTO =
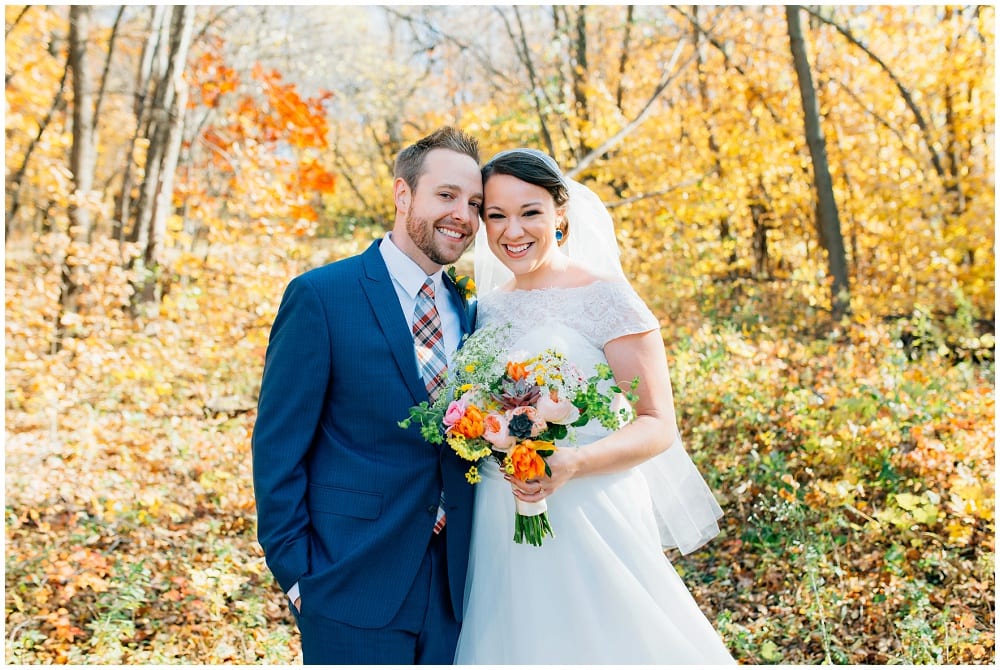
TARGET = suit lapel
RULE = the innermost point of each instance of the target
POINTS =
(377, 285)
(461, 306)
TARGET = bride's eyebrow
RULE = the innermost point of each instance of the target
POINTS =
(536, 203)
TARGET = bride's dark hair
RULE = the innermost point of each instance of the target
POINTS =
(534, 167)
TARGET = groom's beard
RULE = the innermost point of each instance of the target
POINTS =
(421, 231)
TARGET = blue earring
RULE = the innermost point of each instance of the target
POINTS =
(559, 235)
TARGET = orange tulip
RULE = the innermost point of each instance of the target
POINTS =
(525, 460)
(471, 425)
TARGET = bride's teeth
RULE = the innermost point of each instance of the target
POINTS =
(518, 249)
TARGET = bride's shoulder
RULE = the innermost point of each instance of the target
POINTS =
(580, 276)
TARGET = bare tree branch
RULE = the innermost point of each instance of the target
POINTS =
(471, 47)
(875, 115)
(524, 55)
(668, 77)
(14, 185)
(903, 91)
(16, 20)
(663, 191)
(107, 64)
(729, 63)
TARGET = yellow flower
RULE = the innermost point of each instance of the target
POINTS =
(508, 465)
(464, 283)
(472, 476)
(470, 286)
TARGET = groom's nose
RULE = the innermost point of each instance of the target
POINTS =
(462, 210)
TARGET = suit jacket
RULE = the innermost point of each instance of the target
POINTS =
(346, 499)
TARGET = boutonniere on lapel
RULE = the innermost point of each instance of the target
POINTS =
(465, 283)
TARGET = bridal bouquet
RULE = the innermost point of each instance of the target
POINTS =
(514, 407)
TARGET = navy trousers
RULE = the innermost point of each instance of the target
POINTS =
(424, 631)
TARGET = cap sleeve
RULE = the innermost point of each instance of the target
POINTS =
(617, 310)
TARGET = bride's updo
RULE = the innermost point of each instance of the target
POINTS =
(534, 167)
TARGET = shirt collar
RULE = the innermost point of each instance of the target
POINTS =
(404, 270)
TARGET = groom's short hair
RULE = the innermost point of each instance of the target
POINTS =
(410, 161)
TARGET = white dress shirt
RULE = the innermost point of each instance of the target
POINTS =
(407, 278)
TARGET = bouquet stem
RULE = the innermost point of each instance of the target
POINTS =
(531, 522)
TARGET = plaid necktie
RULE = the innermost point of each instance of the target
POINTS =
(428, 339)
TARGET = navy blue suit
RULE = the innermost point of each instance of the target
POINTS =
(346, 499)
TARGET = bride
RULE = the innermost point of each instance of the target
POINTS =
(600, 590)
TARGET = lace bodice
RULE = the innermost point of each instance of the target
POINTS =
(599, 312)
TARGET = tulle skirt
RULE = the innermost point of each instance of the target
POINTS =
(600, 592)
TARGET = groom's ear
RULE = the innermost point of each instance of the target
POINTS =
(401, 194)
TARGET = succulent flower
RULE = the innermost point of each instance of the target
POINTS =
(517, 393)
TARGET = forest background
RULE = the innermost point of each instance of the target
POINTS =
(803, 195)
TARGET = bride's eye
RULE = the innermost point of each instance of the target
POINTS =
(532, 212)
(495, 216)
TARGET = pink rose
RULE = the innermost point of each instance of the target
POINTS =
(553, 410)
(496, 432)
(523, 422)
(455, 412)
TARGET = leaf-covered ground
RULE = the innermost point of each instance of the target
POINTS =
(857, 479)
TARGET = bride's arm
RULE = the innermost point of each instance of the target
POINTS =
(651, 432)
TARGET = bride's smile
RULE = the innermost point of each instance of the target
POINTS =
(517, 250)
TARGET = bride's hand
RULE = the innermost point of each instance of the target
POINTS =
(562, 463)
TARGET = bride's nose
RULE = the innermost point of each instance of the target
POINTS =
(513, 229)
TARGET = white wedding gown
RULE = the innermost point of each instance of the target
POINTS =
(601, 590)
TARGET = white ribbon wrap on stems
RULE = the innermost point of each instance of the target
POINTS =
(526, 508)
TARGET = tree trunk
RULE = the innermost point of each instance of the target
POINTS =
(761, 255)
(143, 85)
(827, 216)
(623, 59)
(83, 159)
(164, 134)
(580, 101)
(954, 153)
(154, 131)
(83, 156)
(180, 43)
(726, 237)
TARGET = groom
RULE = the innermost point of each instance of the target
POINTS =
(365, 525)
